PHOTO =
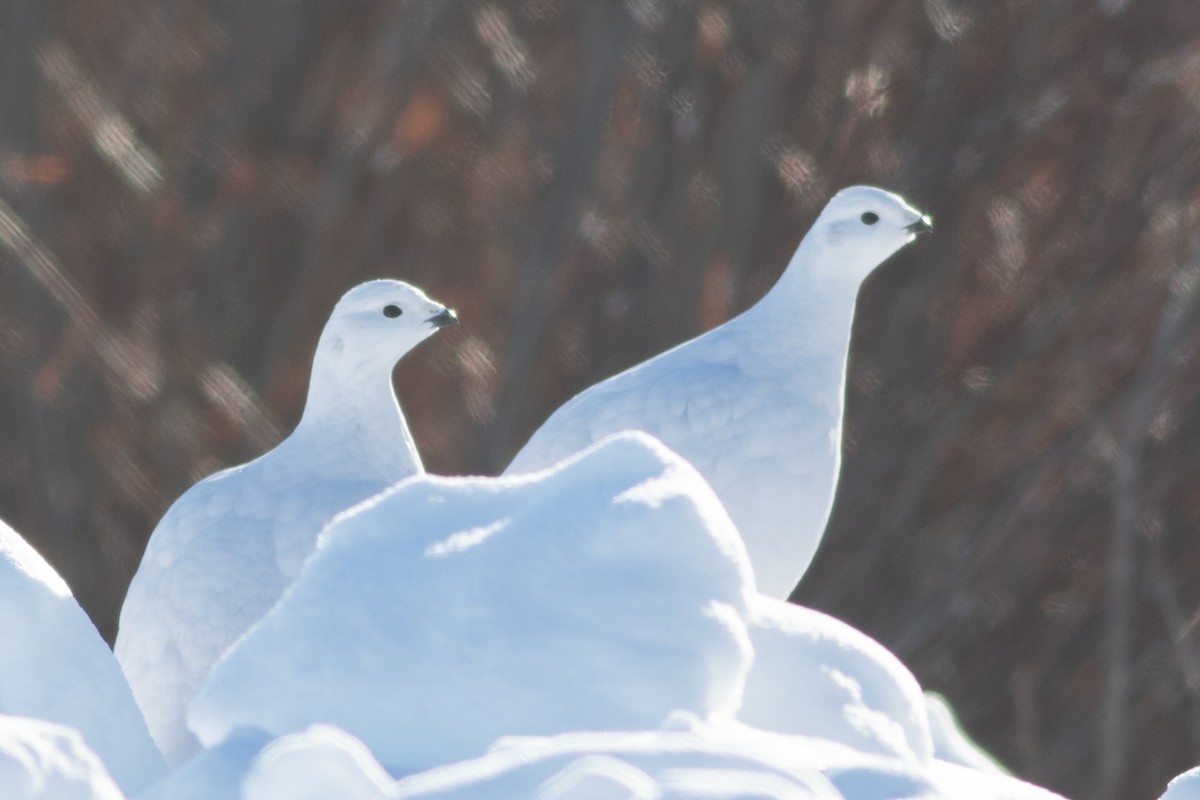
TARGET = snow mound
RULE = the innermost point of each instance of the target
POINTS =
(1184, 787)
(318, 763)
(688, 760)
(691, 759)
(54, 666)
(951, 743)
(817, 676)
(41, 760)
(215, 773)
(756, 404)
(447, 612)
(958, 781)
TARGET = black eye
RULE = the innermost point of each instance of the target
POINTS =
(392, 311)
(870, 217)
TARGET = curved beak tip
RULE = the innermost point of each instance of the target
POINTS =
(445, 317)
(922, 225)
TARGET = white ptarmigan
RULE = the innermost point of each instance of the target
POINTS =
(54, 666)
(228, 547)
(756, 404)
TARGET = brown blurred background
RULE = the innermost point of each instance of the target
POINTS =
(187, 186)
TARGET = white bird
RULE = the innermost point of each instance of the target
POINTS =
(54, 666)
(756, 404)
(228, 547)
(817, 678)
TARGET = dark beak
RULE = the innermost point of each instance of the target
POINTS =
(446, 317)
(923, 225)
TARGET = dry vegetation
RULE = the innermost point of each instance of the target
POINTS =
(187, 187)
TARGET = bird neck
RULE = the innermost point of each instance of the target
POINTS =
(811, 306)
(352, 414)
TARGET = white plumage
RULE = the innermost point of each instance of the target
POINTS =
(228, 547)
(756, 404)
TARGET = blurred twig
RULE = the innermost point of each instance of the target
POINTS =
(1144, 399)
(134, 375)
(576, 161)
(111, 134)
(1187, 654)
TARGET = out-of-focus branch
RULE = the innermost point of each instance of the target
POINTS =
(134, 375)
(1187, 655)
(111, 134)
(576, 164)
(1144, 399)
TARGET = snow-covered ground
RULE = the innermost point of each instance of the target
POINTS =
(1184, 787)
(588, 631)
(598, 596)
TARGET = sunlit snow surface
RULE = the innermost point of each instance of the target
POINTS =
(318, 763)
(600, 595)
(576, 634)
(41, 760)
(685, 759)
(951, 743)
(1184, 787)
(573, 634)
(692, 758)
(54, 666)
(817, 676)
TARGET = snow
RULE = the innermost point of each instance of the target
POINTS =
(957, 781)
(817, 676)
(215, 772)
(1184, 787)
(756, 404)
(42, 760)
(687, 759)
(692, 758)
(228, 547)
(581, 632)
(602, 594)
(54, 666)
(951, 743)
(317, 763)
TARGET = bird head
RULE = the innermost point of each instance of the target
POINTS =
(382, 320)
(862, 225)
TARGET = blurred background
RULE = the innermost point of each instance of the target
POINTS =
(187, 186)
